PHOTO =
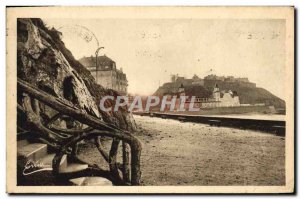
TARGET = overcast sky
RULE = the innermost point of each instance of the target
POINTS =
(150, 50)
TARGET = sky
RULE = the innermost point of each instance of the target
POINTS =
(150, 50)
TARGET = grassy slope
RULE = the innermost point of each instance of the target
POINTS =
(247, 95)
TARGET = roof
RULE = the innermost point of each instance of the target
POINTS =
(232, 93)
(102, 61)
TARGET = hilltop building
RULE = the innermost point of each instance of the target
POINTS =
(231, 94)
(199, 81)
(211, 80)
(204, 100)
(106, 73)
(208, 82)
(217, 99)
(177, 80)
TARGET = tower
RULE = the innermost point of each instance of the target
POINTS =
(216, 93)
(181, 89)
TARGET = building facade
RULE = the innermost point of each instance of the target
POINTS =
(218, 99)
(106, 74)
(211, 80)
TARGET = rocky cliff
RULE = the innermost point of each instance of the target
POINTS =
(45, 62)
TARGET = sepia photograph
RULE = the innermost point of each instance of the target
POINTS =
(150, 99)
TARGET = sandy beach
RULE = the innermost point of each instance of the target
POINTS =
(176, 153)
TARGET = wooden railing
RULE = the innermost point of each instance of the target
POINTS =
(65, 140)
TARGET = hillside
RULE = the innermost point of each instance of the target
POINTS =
(258, 95)
(247, 95)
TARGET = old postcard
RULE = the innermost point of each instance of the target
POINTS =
(150, 100)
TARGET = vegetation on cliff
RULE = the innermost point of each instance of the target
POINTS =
(247, 95)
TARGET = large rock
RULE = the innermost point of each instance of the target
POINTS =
(44, 61)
